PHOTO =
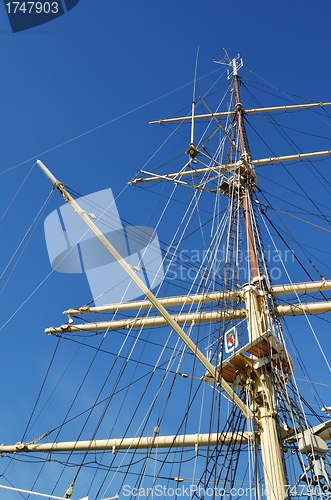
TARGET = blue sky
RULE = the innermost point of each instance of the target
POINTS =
(78, 93)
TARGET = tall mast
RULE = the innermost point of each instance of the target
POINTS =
(261, 388)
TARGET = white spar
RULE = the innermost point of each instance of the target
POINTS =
(20, 490)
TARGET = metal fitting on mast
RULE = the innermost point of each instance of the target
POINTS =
(236, 63)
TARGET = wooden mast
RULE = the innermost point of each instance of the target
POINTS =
(261, 388)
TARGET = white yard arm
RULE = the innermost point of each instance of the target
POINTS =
(201, 298)
(134, 443)
(245, 111)
(228, 167)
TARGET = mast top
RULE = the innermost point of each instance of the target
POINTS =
(236, 63)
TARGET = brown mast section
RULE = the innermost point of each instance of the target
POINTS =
(248, 185)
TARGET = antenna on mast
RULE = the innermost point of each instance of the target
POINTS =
(193, 97)
(192, 150)
(235, 63)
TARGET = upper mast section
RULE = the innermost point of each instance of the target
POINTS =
(246, 167)
(243, 182)
(244, 177)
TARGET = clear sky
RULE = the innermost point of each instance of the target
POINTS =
(78, 93)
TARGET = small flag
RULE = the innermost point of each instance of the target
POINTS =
(231, 340)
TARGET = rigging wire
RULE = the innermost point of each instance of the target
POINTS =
(268, 85)
(98, 127)
(25, 240)
(290, 141)
(299, 300)
(17, 192)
